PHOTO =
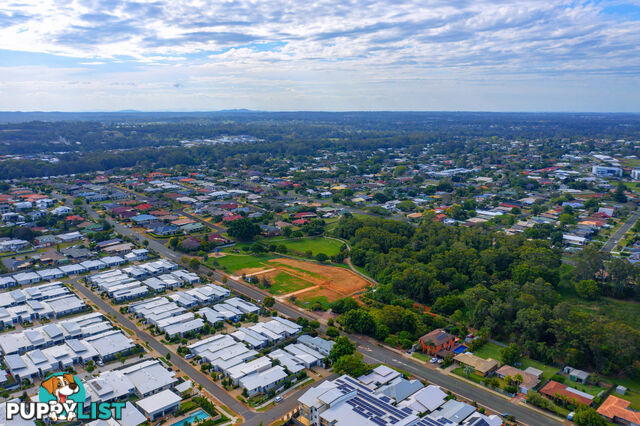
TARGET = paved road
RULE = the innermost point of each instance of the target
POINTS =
(375, 354)
(187, 368)
(617, 236)
(372, 352)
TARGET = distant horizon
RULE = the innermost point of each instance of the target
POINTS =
(245, 110)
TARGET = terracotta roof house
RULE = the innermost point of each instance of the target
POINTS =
(300, 221)
(304, 214)
(529, 381)
(436, 341)
(231, 218)
(554, 388)
(616, 410)
(144, 207)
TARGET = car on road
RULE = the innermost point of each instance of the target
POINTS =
(278, 399)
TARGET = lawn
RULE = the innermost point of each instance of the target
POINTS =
(308, 303)
(284, 283)
(489, 350)
(547, 371)
(419, 355)
(473, 376)
(633, 389)
(314, 244)
(236, 262)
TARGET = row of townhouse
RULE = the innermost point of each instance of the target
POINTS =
(53, 334)
(124, 284)
(32, 277)
(38, 363)
(169, 314)
(243, 366)
(264, 334)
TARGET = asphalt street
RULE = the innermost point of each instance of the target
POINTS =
(372, 351)
(628, 224)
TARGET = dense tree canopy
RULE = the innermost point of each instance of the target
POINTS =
(506, 286)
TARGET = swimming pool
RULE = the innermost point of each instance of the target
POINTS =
(198, 415)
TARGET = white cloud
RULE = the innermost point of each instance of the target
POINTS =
(188, 46)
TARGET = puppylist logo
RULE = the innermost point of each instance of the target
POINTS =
(62, 398)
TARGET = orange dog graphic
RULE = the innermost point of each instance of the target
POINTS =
(61, 387)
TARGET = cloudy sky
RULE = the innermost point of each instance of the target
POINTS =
(494, 55)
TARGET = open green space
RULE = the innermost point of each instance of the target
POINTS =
(314, 244)
(623, 311)
(284, 283)
(237, 262)
(488, 350)
(309, 302)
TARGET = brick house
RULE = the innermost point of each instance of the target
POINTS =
(437, 340)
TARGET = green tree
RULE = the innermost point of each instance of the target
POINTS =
(268, 302)
(407, 206)
(332, 332)
(510, 354)
(174, 241)
(342, 346)
(588, 289)
(587, 416)
(343, 305)
(353, 365)
(619, 194)
(243, 229)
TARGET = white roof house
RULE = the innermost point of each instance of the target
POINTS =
(251, 338)
(149, 377)
(263, 381)
(159, 405)
(425, 400)
(242, 305)
(241, 370)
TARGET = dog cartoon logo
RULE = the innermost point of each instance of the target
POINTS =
(64, 390)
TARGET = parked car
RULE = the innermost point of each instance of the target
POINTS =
(189, 356)
(278, 399)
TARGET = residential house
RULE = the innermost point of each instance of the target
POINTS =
(436, 341)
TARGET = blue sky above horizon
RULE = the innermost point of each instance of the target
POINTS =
(491, 55)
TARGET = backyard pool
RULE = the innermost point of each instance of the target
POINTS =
(196, 416)
(459, 349)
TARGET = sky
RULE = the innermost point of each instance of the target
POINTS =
(197, 55)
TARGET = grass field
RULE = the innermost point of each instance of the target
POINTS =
(283, 283)
(236, 262)
(302, 245)
(488, 350)
(626, 312)
(308, 302)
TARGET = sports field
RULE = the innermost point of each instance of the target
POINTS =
(307, 281)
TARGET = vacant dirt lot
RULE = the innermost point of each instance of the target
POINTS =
(333, 282)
